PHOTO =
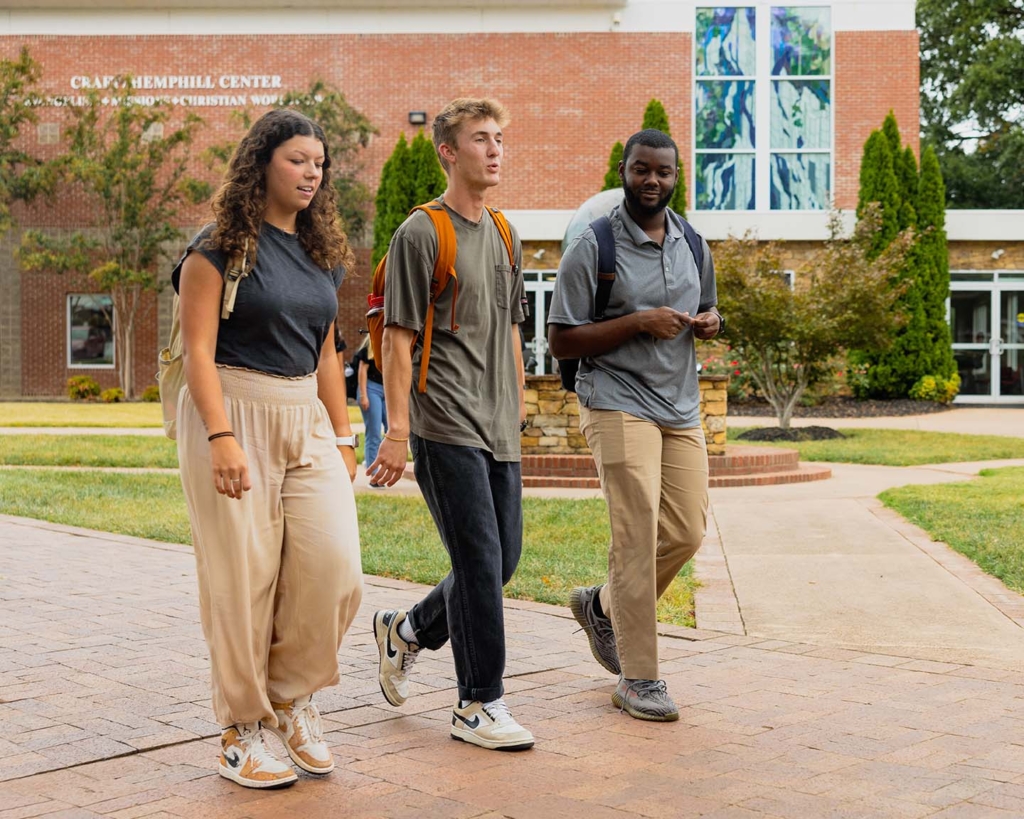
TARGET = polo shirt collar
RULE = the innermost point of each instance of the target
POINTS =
(637, 234)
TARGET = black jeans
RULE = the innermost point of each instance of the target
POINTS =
(477, 504)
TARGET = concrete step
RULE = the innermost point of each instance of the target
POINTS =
(801, 474)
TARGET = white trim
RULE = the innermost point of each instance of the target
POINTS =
(985, 225)
(197, 17)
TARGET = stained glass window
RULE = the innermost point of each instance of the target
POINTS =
(725, 42)
(725, 114)
(725, 107)
(725, 181)
(789, 48)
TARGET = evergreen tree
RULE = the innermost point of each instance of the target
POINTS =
(655, 117)
(921, 344)
(878, 183)
(411, 176)
(933, 265)
(906, 173)
(393, 198)
(611, 178)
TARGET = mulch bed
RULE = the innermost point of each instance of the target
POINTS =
(791, 434)
(844, 408)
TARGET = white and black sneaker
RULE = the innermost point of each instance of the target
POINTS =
(396, 655)
(490, 725)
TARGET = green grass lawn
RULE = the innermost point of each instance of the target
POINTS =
(897, 447)
(565, 541)
(139, 451)
(982, 519)
(79, 414)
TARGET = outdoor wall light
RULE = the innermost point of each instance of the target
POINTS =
(417, 117)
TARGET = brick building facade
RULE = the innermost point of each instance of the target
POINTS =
(575, 77)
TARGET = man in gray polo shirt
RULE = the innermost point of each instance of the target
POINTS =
(640, 411)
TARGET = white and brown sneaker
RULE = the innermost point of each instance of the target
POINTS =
(246, 759)
(489, 725)
(298, 726)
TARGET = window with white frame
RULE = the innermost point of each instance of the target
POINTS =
(770, 65)
(90, 330)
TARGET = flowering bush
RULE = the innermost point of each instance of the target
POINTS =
(112, 396)
(722, 360)
(151, 394)
(936, 388)
(82, 388)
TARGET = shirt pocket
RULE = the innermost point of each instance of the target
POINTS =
(502, 284)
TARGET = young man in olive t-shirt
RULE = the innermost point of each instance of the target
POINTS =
(464, 430)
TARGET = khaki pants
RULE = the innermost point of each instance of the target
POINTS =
(279, 570)
(655, 482)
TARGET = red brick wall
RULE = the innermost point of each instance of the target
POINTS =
(875, 72)
(570, 96)
(44, 345)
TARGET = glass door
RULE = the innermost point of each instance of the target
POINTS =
(540, 286)
(986, 317)
(1011, 339)
(970, 320)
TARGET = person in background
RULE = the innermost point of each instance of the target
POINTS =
(370, 396)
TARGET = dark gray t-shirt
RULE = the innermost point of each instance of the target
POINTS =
(283, 308)
(653, 379)
(472, 396)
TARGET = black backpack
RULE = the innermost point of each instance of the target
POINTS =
(602, 227)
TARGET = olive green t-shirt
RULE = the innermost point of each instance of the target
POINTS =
(472, 396)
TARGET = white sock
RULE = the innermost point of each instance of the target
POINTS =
(464, 703)
(405, 631)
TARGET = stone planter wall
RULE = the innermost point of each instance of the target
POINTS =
(553, 416)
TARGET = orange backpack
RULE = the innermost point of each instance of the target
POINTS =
(444, 269)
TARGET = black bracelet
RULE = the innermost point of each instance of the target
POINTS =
(228, 434)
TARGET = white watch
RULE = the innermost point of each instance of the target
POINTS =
(347, 440)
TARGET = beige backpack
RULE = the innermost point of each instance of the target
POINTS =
(171, 369)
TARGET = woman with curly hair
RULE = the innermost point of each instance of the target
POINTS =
(266, 449)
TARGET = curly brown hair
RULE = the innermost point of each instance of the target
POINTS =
(239, 204)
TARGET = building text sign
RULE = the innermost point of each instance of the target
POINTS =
(193, 90)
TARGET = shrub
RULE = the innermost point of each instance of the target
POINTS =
(151, 394)
(112, 396)
(82, 388)
(936, 388)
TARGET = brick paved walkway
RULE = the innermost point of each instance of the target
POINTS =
(104, 712)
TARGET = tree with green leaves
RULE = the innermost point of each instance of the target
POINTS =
(132, 173)
(411, 176)
(972, 98)
(21, 174)
(656, 117)
(347, 131)
(921, 345)
(787, 336)
(879, 183)
(611, 178)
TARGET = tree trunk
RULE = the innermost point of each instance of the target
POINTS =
(124, 342)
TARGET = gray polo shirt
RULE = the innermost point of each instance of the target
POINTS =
(653, 379)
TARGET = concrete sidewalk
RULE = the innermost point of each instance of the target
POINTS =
(967, 420)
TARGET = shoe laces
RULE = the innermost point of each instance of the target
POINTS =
(655, 689)
(307, 718)
(409, 659)
(498, 711)
(256, 741)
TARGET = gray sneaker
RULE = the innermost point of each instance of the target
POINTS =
(599, 629)
(645, 699)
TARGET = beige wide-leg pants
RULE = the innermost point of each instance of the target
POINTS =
(655, 482)
(279, 570)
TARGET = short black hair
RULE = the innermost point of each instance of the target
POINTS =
(650, 138)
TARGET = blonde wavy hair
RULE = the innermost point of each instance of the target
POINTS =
(457, 113)
(239, 204)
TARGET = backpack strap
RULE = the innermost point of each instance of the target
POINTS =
(505, 231)
(693, 240)
(444, 269)
(238, 268)
(602, 228)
